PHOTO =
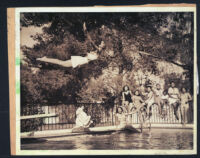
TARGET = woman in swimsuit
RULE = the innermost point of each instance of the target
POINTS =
(74, 62)
(127, 98)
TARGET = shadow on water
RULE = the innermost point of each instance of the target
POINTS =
(32, 140)
(163, 139)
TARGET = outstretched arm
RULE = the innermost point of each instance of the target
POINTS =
(189, 97)
(98, 48)
(123, 97)
(66, 63)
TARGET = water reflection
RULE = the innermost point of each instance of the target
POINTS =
(153, 139)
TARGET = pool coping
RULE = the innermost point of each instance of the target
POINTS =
(94, 130)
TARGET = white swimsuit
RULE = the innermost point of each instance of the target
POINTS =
(78, 60)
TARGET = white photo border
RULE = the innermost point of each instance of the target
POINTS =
(101, 9)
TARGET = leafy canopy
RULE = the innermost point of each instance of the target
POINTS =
(162, 36)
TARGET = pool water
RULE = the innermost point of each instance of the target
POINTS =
(160, 139)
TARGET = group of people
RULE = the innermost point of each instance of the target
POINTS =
(156, 95)
(132, 103)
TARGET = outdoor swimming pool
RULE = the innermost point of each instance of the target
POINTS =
(163, 139)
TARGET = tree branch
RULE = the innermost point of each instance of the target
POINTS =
(170, 61)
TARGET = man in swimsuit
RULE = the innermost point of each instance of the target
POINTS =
(150, 99)
(174, 98)
(185, 99)
(158, 97)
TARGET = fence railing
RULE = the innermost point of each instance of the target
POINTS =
(103, 116)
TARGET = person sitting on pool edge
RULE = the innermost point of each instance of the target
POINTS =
(174, 98)
(149, 100)
(127, 101)
(138, 105)
(158, 93)
(82, 119)
(137, 100)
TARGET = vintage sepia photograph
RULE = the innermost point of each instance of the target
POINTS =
(106, 80)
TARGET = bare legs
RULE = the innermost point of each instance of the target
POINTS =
(175, 107)
(184, 114)
(66, 63)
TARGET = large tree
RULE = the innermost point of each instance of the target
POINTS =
(153, 36)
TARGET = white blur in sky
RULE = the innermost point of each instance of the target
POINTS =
(25, 34)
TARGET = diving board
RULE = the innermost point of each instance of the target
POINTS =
(37, 116)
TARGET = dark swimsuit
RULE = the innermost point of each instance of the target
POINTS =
(128, 97)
